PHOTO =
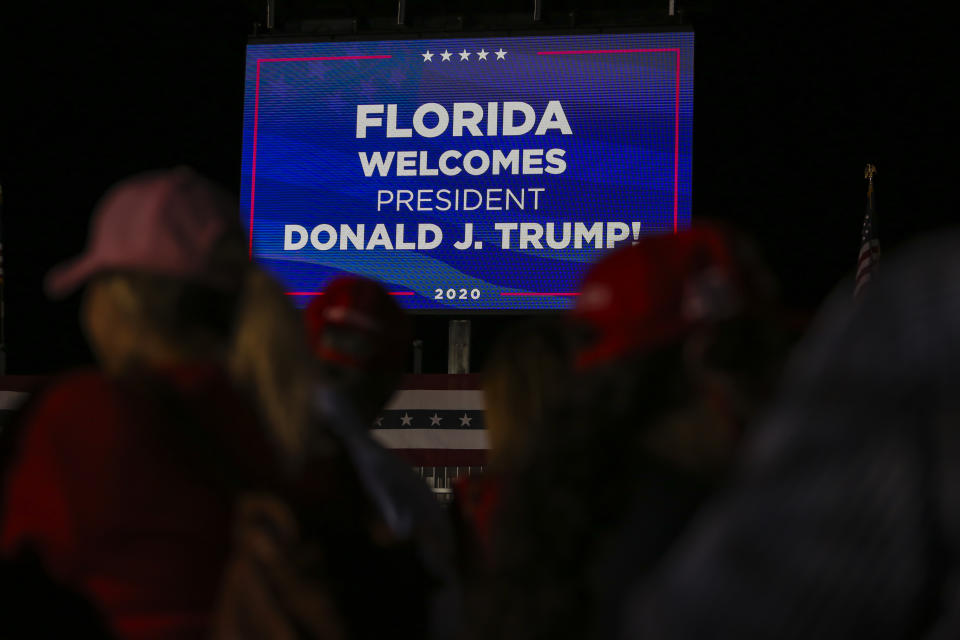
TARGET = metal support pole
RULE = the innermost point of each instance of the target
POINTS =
(271, 14)
(538, 10)
(401, 12)
(418, 356)
(458, 354)
(672, 8)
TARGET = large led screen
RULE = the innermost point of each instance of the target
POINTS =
(467, 173)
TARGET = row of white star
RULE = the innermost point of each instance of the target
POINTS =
(406, 420)
(464, 55)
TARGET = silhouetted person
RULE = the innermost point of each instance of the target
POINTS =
(121, 479)
(379, 549)
(359, 336)
(525, 380)
(676, 347)
(843, 522)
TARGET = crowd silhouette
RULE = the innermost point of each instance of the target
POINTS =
(667, 460)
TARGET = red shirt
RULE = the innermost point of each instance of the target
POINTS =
(127, 507)
(476, 500)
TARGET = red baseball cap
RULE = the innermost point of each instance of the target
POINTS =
(162, 222)
(377, 329)
(658, 290)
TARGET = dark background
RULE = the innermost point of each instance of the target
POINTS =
(790, 103)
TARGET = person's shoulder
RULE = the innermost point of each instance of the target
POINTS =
(57, 416)
(82, 381)
(68, 396)
(85, 387)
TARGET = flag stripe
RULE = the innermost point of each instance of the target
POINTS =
(11, 400)
(432, 438)
(428, 399)
(868, 250)
(441, 381)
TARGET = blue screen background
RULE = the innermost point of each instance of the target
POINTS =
(627, 158)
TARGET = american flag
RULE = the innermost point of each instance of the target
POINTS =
(869, 258)
(436, 423)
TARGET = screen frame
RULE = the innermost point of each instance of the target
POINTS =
(425, 34)
(529, 30)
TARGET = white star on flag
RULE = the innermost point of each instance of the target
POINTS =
(482, 54)
(501, 54)
(445, 56)
(435, 420)
(405, 420)
(464, 55)
(427, 57)
(465, 420)
(379, 421)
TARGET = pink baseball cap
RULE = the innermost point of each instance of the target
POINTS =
(160, 222)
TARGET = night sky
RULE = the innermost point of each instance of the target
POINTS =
(790, 103)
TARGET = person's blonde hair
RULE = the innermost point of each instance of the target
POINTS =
(524, 379)
(254, 331)
(270, 359)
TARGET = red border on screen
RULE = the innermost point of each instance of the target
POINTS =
(676, 142)
(676, 136)
(320, 293)
(256, 119)
(676, 107)
(538, 293)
